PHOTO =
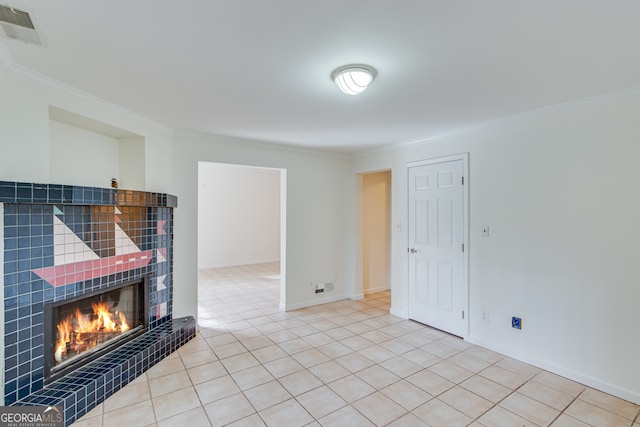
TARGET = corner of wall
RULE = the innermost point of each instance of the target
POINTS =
(403, 314)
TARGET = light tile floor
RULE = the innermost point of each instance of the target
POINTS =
(347, 363)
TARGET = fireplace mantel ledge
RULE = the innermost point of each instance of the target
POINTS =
(32, 193)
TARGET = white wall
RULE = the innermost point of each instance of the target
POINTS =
(315, 214)
(559, 189)
(25, 101)
(238, 215)
(131, 157)
(376, 231)
(81, 157)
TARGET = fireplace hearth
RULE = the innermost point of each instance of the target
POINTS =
(78, 330)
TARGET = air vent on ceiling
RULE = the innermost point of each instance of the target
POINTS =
(19, 25)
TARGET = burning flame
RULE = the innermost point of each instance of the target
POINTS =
(74, 329)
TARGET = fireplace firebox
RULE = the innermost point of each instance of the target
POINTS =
(80, 329)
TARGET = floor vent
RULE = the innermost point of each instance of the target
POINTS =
(19, 25)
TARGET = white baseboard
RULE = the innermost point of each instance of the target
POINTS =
(588, 380)
(375, 289)
(315, 301)
(356, 297)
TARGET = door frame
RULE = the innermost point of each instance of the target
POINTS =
(465, 228)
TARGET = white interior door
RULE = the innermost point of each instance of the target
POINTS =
(437, 283)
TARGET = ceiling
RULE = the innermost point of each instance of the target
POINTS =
(261, 69)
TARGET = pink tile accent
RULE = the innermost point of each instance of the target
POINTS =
(160, 226)
(66, 274)
(162, 254)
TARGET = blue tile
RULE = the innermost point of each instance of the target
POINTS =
(24, 391)
(24, 288)
(24, 311)
(55, 194)
(24, 253)
(10, 363)
(10, 267)
(10, 350)
(24, 323)
(25, 276)
(40, 193)
(10, 303)
(7, 192)
(11, 385)
(38, 340)
(24, 359)
(10, 231)
(24, 264)
(24, 193)
(10, 291)
(23, 335)
(78, 195)
(23, 209)
(37, 296)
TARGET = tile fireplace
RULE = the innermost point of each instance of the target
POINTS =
(87, 279)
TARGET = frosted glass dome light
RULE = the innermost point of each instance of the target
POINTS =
(353, 79)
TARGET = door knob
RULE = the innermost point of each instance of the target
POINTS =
(414, 251)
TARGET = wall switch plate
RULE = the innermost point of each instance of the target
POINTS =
(516, 322)
(485, 231)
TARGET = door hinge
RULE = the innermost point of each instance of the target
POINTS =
(463, 247)
(463, 180)
(463, 314)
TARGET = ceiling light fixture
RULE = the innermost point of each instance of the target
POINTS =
(353, 79)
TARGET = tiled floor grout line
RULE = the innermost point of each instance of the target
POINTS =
(566, 406)
(363, 342)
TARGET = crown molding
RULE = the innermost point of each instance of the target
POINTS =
(502, 121)
(62, 88)
(236, 141)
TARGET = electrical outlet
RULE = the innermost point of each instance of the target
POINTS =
(485, 231)
(319, 288)
(485, 316)
(516, 322)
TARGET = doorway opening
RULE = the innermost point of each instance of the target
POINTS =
(241, 240)
(375, 242)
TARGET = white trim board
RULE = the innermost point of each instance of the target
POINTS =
(582, 378)
(315, 301)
